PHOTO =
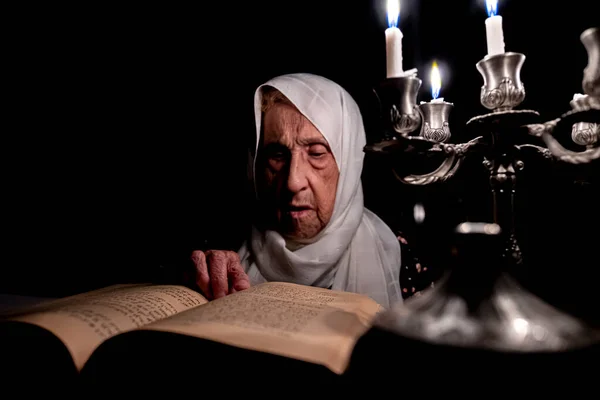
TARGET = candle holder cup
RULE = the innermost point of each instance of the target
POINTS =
(502, 87)
(398, 100)
(584, 133)
(435, 125)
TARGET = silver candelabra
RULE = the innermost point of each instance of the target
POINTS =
(500, 134)
(506, 317)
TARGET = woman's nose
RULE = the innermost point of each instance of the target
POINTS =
(296, 181)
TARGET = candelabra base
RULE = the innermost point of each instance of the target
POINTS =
(511, 319)
(382, 357)
(477, 325)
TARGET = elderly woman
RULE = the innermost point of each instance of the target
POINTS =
(311, 226)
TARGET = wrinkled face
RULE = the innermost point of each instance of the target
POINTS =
(297, 173)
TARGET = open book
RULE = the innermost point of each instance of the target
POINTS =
(313, 325)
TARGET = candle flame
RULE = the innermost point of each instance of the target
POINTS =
(393, 13)
(492, 7)
(436, 80)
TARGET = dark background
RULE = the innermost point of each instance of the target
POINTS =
(132, 121)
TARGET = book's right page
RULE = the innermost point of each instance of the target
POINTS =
(306, 323)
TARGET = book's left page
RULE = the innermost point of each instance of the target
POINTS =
(82, 322)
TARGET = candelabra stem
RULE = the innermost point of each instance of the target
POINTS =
(503, 166)
(501, 158)
(503, 193)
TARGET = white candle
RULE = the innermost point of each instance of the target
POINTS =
(393, 41)
(493, 29)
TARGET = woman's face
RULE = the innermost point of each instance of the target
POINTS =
(297, 172)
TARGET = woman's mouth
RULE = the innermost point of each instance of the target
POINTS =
(298, 211)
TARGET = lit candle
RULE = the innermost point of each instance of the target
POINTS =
(436, 83)
(393, 40)
(493, 28)
(435, 113)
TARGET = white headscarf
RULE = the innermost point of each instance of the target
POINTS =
(356, 251)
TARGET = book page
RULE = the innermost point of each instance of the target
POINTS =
(311, 324)
(84, 321)
(52, 302)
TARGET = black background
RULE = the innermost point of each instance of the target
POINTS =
(131, 124)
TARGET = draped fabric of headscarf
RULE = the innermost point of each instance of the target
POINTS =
(356, 251)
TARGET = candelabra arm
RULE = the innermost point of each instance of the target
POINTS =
(545, 132)
(442, 173)
(542, 150)
(455, 154)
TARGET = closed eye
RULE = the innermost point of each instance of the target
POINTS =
(279, 156)
(317, 150)
(276, 152)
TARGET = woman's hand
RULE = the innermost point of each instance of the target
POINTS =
(219, 273)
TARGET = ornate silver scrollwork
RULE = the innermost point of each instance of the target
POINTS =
(405, 123)
(541, 150)
(585, 133)
(503, 97)
(436, 134)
